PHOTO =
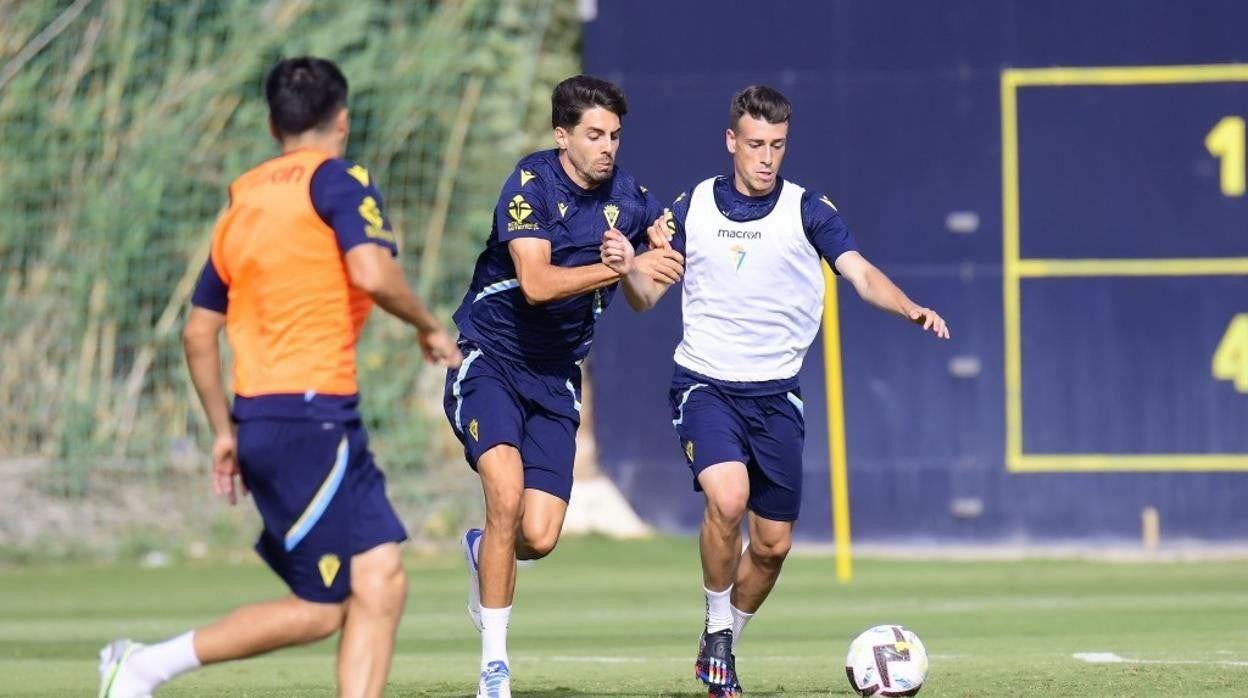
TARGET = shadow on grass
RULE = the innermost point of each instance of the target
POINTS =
(567, 692)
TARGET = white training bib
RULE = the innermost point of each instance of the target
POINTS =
(753, 291)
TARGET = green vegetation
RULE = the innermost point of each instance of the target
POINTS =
(122, 123)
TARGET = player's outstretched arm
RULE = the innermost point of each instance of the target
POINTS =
(373, 270)
(652, 272)
(544, 282)
(877, 289)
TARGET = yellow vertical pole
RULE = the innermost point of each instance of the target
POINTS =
(1011, 292)
(836, 428)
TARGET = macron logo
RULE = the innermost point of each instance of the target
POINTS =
(739, 234)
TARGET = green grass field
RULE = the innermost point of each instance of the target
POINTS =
(602, 618)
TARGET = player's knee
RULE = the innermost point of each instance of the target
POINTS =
(540, 542)
(504, 512)
(381, 589)
(320, 620)
(726, 506)
(771, 553)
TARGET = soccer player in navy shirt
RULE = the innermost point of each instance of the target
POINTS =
(752, 303)
(526, 323)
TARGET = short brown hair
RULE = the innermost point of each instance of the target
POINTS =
(580, 93)
(760, 102)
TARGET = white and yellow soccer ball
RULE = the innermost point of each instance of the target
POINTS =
(887, 660)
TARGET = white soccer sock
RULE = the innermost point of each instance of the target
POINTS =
(494, 622)
(153, 665)
(739, 619)
(718, 615)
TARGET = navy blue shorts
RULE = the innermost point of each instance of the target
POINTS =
(491, 400)
(322, 499)
(717, 424)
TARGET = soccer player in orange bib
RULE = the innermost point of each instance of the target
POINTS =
(298, 260)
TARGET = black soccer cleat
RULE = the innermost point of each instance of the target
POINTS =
(724, 691)
(716, 666)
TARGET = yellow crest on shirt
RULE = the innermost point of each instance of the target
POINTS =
(519, 209)
(612, 213)
(525, 176)
(689, 450)
(375, 223)
(360, 174)
(563, 209)
(329, 566)
(474, 429)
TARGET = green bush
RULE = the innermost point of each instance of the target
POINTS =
(121, 124)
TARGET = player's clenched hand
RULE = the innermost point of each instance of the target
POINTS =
(665, 266)
(661, 230)
(440, 349)
(929, 320)
(616, 252)
(225, 478)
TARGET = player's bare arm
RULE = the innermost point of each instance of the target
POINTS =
(874, 287)
(652, 272)
(200, 340)
(544, 282)
(661, 231)
(372, 269)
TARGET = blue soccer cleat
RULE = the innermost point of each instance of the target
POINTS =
(495, 681)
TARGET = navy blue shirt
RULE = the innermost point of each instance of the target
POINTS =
(539, 200)
(820, 219)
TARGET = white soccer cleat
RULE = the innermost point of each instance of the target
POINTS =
(112, 661)
(468, 543)
(495, 681)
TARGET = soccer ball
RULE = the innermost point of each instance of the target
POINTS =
(887, 660)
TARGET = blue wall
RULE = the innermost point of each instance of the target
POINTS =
(897, 117)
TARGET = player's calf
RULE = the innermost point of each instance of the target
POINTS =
(378, 592)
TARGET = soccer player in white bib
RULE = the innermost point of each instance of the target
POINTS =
(753, 301)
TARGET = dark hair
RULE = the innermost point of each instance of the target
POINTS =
(304, 93)
(580, 93)
(760, 102)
